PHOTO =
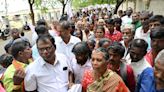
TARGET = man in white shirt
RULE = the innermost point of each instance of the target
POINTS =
(127, 19)
(128, 34)
(66, 41)
(50, 72)
(138, 49)
(144, 33)
(81, 62)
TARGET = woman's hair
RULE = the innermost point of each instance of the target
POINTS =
(103, 40)
(100, 27)
(104, 51)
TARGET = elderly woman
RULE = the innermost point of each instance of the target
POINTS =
(101, 79)
(128, 34)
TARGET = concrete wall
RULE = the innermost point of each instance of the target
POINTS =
(157, 6)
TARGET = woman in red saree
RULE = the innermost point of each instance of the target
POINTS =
(101, 79)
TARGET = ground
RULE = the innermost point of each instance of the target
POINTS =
(28, 34)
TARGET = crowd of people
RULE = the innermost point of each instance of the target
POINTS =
(93, 51)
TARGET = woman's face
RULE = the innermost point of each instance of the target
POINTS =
(98, 61)
(99, 33)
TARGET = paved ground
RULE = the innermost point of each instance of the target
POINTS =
(3, 43)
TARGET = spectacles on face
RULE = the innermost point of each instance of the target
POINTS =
(46, 48)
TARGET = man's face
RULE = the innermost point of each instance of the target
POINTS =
(78, 34)
(115, 58)
(154, 24)
(46, 49)
(62, 32)
(135, 17)
(127, 35)
(15, 34)
(98, 61)
(81, 58)
(128, 12)
(110, 27)
(157, 44)
(159, 74)
(143, 18)
(136, 54)
(90, 45)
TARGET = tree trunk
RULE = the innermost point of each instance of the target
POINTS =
(63, 9)
(119, 2)
(32, 12)
(135, 4)
(127, 5)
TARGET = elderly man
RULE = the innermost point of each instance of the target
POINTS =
(152, 80)
(128, 34)
(66, 41)
(81, 62)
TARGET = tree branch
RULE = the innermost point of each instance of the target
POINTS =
(31, 2)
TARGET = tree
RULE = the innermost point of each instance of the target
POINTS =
(31, 3)
(64, 3)
(118, 3)
(84, 3)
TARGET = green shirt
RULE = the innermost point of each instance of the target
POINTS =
(8, 77)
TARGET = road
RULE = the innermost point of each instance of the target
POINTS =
(28, 35)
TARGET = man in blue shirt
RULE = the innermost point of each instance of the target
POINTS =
(153, 80)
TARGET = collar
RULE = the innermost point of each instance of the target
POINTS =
(87, 64)
(17, 64)
(70, 41)
(115, 32)
(139, 62)
(43, 62)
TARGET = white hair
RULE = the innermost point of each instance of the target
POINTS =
(127, 26)
(160, 56)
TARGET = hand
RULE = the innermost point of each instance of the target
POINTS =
(19, 76)
(70, 85)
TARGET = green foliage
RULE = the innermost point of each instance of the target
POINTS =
(84, 3)
(44, 5)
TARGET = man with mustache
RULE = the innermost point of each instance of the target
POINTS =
(117, 64)
(128, 34)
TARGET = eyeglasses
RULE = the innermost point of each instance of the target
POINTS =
(46, 48)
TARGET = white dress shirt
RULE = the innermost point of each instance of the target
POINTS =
(66, 49)
(79, 70)
(126, 20)
(139, 34)
(139, 66)
(35, 36)
(44, 77)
